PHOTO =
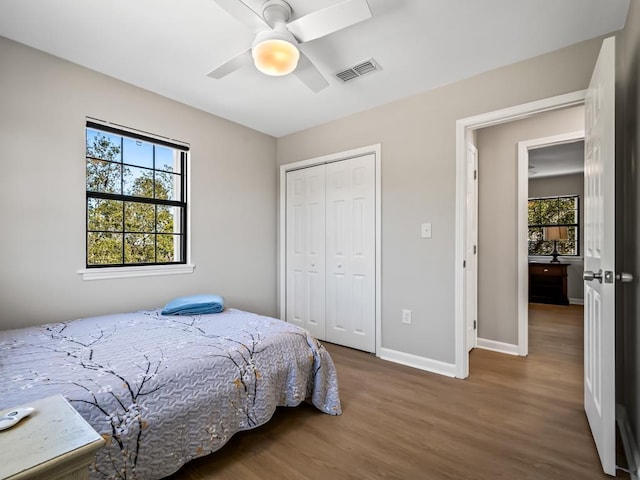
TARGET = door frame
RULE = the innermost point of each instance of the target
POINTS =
(374, 149)
(465, 128)
(523, 226)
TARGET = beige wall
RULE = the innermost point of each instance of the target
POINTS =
(498, 216)
(233, 195)
(566, 185)
(44, 101)
(418, 183)
(628, 225)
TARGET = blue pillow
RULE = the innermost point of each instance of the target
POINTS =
(194, 305)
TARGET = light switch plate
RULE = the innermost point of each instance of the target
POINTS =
(426, 230)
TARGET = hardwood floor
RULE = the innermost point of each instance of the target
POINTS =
(513, 418)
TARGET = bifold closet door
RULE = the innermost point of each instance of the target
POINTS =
(305, 283)
(350, 252)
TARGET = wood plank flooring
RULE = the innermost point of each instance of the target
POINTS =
(513, 418)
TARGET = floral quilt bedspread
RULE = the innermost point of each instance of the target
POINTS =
(162, 390)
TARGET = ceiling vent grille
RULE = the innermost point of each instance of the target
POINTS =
(358, 70)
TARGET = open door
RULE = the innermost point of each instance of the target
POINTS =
(599, 256)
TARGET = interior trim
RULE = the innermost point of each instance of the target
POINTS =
(464, 127)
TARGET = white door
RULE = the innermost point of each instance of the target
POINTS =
(599, 235)
(471, 257)
(350, 247)
(305, 239)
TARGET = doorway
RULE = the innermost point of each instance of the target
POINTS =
(464, 130)
(550, 168)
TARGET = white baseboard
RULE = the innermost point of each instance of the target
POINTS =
(576, 301)
(629, 444)
(428, 364)
(501, 347)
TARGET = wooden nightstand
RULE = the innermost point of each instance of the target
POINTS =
(548, 283)
(53, 443)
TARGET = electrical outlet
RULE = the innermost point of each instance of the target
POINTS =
(406, 316)
(425, 231)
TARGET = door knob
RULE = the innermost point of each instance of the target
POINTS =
(589, 276)
(624, 277)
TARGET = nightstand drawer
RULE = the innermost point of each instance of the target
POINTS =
(550, 269)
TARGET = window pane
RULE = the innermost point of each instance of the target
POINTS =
(543, 247)
(169, 248)
(168, 186)
(569, 210)
(139, 217)
(167, 159)
(139, 248)
(104, 215)
(533, 218)
(138, 182)
(103, 176)
(169, 219)
(548, 210)
(137, 152)
(535, 241)
(570, 246)
(103, 145)
(104, 248)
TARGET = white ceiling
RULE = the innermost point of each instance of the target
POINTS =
(562, 159)
(169, 46)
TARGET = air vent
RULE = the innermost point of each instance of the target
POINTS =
(347, 75)
(358, 70)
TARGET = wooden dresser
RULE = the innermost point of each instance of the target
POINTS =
(53, 443)
(548, 283)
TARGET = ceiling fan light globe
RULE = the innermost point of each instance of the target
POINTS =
(275, 57)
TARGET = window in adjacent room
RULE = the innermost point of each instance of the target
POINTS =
(562, 211)
(136, 199)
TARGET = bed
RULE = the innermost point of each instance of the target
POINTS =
(164, 389)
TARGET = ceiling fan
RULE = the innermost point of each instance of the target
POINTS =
(275, 48)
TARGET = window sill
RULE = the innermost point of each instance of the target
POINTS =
(129, 272)
(547, 259)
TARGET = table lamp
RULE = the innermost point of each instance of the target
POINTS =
(555, 234)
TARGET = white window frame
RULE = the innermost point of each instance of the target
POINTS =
(105, 273)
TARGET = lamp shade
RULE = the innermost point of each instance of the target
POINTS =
(556, 233)
(274, 53)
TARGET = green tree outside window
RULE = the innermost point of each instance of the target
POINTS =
(554, 211)
(135, 201)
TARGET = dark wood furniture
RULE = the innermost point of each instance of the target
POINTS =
(548, 283)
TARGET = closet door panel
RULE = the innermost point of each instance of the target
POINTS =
(305, 282)
(350, 259)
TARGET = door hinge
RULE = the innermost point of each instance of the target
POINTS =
(475, 174)
(475, 324)
(464, 264)
(475, 249)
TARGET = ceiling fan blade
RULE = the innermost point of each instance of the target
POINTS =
(329, 20)
(309, 74)
(232, 65)
(241, 12)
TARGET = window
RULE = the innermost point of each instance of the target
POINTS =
(136, 199)
(554, 211)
